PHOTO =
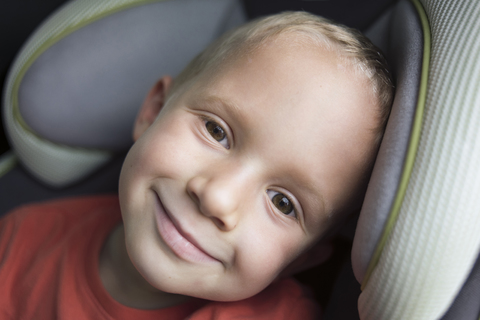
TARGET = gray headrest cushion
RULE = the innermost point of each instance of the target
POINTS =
(402, 39)
(86, 89)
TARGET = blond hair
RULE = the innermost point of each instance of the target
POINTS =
(349, 43)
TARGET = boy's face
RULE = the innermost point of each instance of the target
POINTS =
(244, 171)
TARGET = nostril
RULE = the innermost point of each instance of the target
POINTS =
(194, 189)
(218, 222)
(194, 197)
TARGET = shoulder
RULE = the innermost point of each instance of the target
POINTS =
(51, 247)
(283, 299)
(34, 221)
(69, 207)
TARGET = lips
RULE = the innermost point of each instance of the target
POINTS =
(181, 244)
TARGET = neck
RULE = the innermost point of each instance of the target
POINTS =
(124, 283)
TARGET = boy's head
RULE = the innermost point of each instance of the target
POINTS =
(260, 147)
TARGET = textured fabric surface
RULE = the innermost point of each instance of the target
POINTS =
(100, 74)
(435, 241)
(56, 165)
(60, 164)
(467, 303)
(400, 35)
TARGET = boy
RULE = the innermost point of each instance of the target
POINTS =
(239, 170)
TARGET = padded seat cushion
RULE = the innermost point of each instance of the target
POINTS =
(400, 36)
(75, 88)
(431, 239)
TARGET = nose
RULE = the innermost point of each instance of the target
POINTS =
(219, 195)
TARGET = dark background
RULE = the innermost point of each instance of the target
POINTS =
(18, 19)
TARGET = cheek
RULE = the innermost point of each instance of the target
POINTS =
(165, 150)
(161, 152)
(264, 253)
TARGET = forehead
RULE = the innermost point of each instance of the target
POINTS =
(298, 109)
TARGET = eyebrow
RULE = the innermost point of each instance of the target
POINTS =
(217, 104)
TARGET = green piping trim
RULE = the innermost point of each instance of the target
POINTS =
(413, 146)
(8, 161)
(47, 44)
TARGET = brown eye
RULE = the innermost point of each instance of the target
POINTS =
(215, 131)
(282, 203)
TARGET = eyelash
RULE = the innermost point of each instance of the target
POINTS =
(214, 126)
(273, 194)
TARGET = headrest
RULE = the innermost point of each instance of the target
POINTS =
(418, 234)
(76, 86)
(399, 34)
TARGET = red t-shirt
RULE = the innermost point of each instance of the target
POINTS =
(49, 255)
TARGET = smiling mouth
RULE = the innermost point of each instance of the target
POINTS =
(175, 240)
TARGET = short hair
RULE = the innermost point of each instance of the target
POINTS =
(356, 49)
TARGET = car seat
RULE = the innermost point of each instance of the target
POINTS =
(417, 240)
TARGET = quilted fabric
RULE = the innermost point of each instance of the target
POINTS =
(435, 241)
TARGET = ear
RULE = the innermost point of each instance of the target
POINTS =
(318, 254)
(151, 106)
